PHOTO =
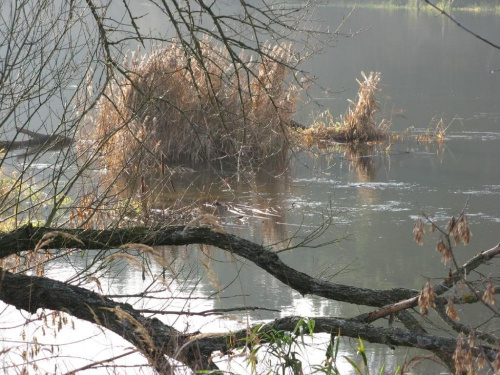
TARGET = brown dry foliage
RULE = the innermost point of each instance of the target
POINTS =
(436, 133)
(444, 250)
(418, 231)
(193, 111)
(451, 310)
(426, 298)
(463, 230)
(466, 360)
(489, 293)
(205, 220)
(358, 124)
(359, 121)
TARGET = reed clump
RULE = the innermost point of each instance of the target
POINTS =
(359, 122)
(435, 133)
(178, 108)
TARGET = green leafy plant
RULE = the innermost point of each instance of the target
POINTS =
(280, 349)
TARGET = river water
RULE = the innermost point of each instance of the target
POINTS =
(431, 70)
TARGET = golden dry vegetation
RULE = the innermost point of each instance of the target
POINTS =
(359, 122)
(175, 108)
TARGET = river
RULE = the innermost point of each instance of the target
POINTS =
(431, 70)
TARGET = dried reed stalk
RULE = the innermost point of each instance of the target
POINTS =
(195, 110)
(359, 122)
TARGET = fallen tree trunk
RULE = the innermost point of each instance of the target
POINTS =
(153, 338)
(37, 139)
(157, 340)
(26, 238)
(31, 293)
(351, 328)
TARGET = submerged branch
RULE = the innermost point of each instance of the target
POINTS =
(37, 139)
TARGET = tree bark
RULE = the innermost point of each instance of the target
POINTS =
(153, 338)
(37, 139)
(157, 340)
(26, 238)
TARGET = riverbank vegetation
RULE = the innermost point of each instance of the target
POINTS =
(359, 122)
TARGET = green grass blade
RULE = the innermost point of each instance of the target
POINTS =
(354, 366)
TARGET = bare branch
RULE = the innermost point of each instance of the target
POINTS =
(447, 15)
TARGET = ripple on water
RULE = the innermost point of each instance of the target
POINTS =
(493, 219)
(392, 206)
(493, 116)
(380, 185)
(486, 190)
(316, 180)
(482, 136)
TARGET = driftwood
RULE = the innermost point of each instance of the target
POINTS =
(37, 139)
(194, 349)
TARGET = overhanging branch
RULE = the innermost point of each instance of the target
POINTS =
(27, 237)
(156, 339)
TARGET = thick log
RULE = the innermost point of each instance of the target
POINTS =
(153, 338)
(157, 340)
(37, 139)
(25, 238)
(388, 336)
(31, 293)
(390, 300)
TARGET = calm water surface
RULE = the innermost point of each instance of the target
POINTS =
(431, 70)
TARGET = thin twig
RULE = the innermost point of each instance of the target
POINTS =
(447, 15)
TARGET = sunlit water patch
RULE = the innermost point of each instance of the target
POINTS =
(486, 190)
(473, 135)
(379, 185)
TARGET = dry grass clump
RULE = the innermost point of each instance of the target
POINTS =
(434, 134)
(358, 124)
(193, 109)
